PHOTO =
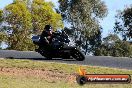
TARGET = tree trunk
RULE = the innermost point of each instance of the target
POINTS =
(86, 49)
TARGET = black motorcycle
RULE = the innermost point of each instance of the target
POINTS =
(61, 48)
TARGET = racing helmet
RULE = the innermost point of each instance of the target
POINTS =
(48, 28)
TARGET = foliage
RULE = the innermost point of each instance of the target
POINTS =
(113, 46)
(46, 15)
(83, 15)
(24, 18)
(95, 42)
(123, 24)
(19, 19)
(1, 18)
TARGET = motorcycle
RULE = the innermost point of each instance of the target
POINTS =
(62, 49)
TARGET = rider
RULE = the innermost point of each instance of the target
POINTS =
(46, 37)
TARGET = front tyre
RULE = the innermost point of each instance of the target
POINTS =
(76, 54)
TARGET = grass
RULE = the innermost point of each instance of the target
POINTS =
(14, 82)
(10, 81)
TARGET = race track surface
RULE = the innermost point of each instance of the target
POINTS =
(115, 62)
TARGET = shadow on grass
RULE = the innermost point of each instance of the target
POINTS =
(42, 59)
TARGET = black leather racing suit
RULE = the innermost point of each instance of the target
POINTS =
(45, 42)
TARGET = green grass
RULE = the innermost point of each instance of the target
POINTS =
(9, 81)
(68, 68)
(12, 82)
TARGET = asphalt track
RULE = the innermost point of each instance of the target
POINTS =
(115, 62)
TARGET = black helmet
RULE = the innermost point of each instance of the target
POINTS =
(48, 28)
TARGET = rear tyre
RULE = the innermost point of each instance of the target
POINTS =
(47, 56)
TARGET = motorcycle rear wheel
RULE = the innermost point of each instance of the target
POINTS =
(45, 55)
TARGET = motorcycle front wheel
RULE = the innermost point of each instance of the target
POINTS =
(76, 54)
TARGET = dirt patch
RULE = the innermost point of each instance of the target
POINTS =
(48, 75)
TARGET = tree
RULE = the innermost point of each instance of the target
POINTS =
(83, 15)
(23, 18)
(113, 46)
(1, 17)
(18, 17)
(42, 14)
(111, 38)
(123, 24)
(95, 42)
